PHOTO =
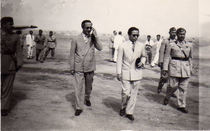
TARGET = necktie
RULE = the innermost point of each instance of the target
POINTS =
(133, 46)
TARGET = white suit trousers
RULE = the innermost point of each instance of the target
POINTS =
(129, 95)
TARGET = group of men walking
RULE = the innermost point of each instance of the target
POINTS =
(131, 57)
(175, 61)
(43, 45)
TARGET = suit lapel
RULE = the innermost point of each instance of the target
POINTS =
(87, 45)
(135, 51)
(129, 49)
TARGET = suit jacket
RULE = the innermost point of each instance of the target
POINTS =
(178, 68)
(30, 40)
(126, 60)
(11, 53)
(40, 41)
(162, 50)
(82, 55)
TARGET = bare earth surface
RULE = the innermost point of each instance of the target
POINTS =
(43, 98)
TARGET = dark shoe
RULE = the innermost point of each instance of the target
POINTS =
(130, 117)
(174, 96)
(87, 102)
(165, 102)
(78, 112)
(4, 112)
(122, 112)
(41, 61)
(183, 110)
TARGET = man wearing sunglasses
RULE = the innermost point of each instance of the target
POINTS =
(128, 73)
(82, 63)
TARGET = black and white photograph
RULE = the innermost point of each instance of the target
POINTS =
(105, 65)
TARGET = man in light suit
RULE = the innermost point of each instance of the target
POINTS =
(128, 73)
(162, 51)
(82, 63)
(111, 46)
(11, 61)
(119, 39)
(178, 64)
(30, 43)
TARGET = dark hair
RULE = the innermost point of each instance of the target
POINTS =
(120, 32)
(85, 21)
(114, 31)
(132, 29)
(148, 36)
(158, 35)
(18, 32)
(172, 29)
(40, 30)
(180, 30)
(51, 32)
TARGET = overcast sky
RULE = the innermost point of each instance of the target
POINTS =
(150, 16)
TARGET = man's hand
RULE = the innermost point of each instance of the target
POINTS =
(140, 64)
(165, 74)
(94, 32)
(72, 72)
(119, 77)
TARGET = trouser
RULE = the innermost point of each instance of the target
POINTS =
(129, 95)
(7, 81)
(180, 84)
(149, 57)
(115, 54)
(111, 54)
(47, 51)
(30, 51)
(39, 54)
(83, 88)
(155, 61)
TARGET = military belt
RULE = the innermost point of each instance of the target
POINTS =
(177, 58)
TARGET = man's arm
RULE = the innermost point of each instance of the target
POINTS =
(97, 42)
(167, 57)
(19, 55)
(161, 53)
(72, 56)
(119, 63)
(191, 57)
(55, 42)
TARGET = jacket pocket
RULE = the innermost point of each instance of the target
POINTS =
(172, 67)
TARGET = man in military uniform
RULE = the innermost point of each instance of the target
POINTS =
(178, 64)
(172, 36)
(51, 43)
(11, 61)
(40, 45)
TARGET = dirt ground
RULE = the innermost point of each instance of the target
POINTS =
(43, 98)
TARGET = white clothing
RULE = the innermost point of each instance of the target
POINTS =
(158, 44)
(118, 40)
(30, 43)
